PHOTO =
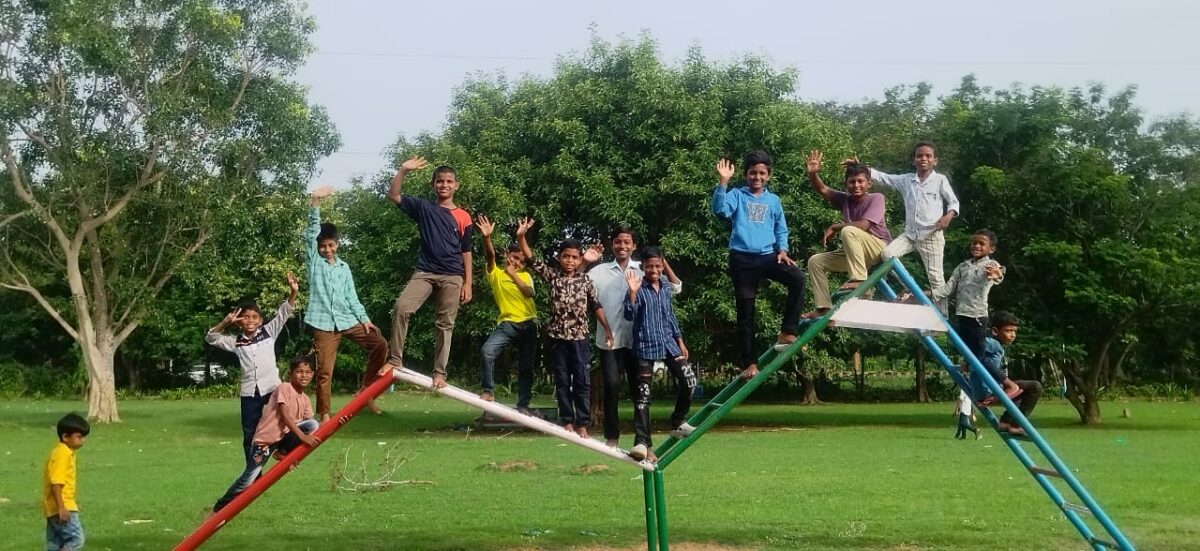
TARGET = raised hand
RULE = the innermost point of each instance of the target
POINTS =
(413, 163)
(593, 254)
(634, 281)
(486, 227)
(322, 192)
(994, 271)
(813, 165)
(724, 171)
(292, 283)
(524, 225)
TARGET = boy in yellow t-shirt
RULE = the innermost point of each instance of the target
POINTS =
(512, 287)
(63, 530)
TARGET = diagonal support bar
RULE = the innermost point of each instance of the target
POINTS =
(276, 472)
(509, 414)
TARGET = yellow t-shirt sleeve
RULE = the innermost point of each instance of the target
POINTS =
(59, 468)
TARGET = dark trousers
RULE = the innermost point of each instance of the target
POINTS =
(252, 410)
(973, 332)
(572, 382)
(258, 458)
(964, 425)
(685, 382)
(525, 335)
(1026, 401)
(747, 271)
(613, 364)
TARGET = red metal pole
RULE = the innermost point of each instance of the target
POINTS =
(272, 475)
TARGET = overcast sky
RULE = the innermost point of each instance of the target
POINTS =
(385, 68)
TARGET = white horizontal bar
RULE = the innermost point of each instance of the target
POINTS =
(887, 316)
(504, 412)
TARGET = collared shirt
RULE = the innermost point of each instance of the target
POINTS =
(758, 224)
(571, 298)
(255, 353)
(287, 403)
(611, 288)
(655, 328)
(333, 303)
(870, 208)
(514, 306)
(970, 285)
(60, 470)
(924, 202)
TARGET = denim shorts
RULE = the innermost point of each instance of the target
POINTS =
(64, 535)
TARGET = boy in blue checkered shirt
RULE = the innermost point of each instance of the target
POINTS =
(656, 337)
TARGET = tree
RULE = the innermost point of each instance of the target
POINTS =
(135, 132)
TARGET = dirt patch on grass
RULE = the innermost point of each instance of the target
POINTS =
(517, 466)
(641, 547)
(595, 468)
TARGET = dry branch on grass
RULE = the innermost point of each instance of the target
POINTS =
(362, 480)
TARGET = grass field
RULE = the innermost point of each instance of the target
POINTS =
(836, 476)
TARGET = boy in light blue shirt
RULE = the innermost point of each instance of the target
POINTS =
(758, 249)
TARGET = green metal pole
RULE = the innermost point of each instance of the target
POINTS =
(765, 372)
(661, 507)
(651, 512)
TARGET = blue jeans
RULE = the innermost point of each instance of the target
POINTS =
(964, 425)
(64, 535)
(258, 458)
(525, 335)
(252, 410)
(572, 381)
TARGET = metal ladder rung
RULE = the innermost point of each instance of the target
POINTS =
(1103, 543)
(1076, 508)
(1045, 472)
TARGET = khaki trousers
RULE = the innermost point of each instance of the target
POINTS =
(859, 251)
(326, 345)
(446, 291)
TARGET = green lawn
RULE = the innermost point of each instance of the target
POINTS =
(839, 476)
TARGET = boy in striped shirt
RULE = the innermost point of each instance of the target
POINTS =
(656, 336)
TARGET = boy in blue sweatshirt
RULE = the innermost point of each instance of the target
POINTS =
(758, 249)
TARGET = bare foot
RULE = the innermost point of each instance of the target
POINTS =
(324, 417)
(814, 314)
(487, 396)
(439, 380)
(374, 408)
(582, 432)
(850, 285)
(785, 340)
(749, 372)
(386, 369)
(612, 443)
(650, 456)
(569, 427)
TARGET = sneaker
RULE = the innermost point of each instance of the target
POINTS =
(682, 431)
(638, 452)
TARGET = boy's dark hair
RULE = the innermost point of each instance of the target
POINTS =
(651, 252)
(442, 169)
(328, 232)
(854, 169)
(250, 306)
(622, 230)
(570, 243)
(73, 423)
(924, 143)
(1004, 319)
(299, 360)
(990, 235)
(513, 247)
(755, 157)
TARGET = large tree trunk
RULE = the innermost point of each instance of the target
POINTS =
(1081, 392)
(102, 388)
(807, 383)
(919, 363)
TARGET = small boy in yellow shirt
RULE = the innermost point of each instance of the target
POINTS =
(63, 530)
(512, 286)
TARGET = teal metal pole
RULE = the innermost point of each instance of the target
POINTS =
(651, 512)
(661, 508)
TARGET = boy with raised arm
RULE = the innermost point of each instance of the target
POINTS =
(334, 310)
(929, 205)
(443, 267)
(254, 348)
(512, 287)
(572, 296)
(758, 249)
(863, 231)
